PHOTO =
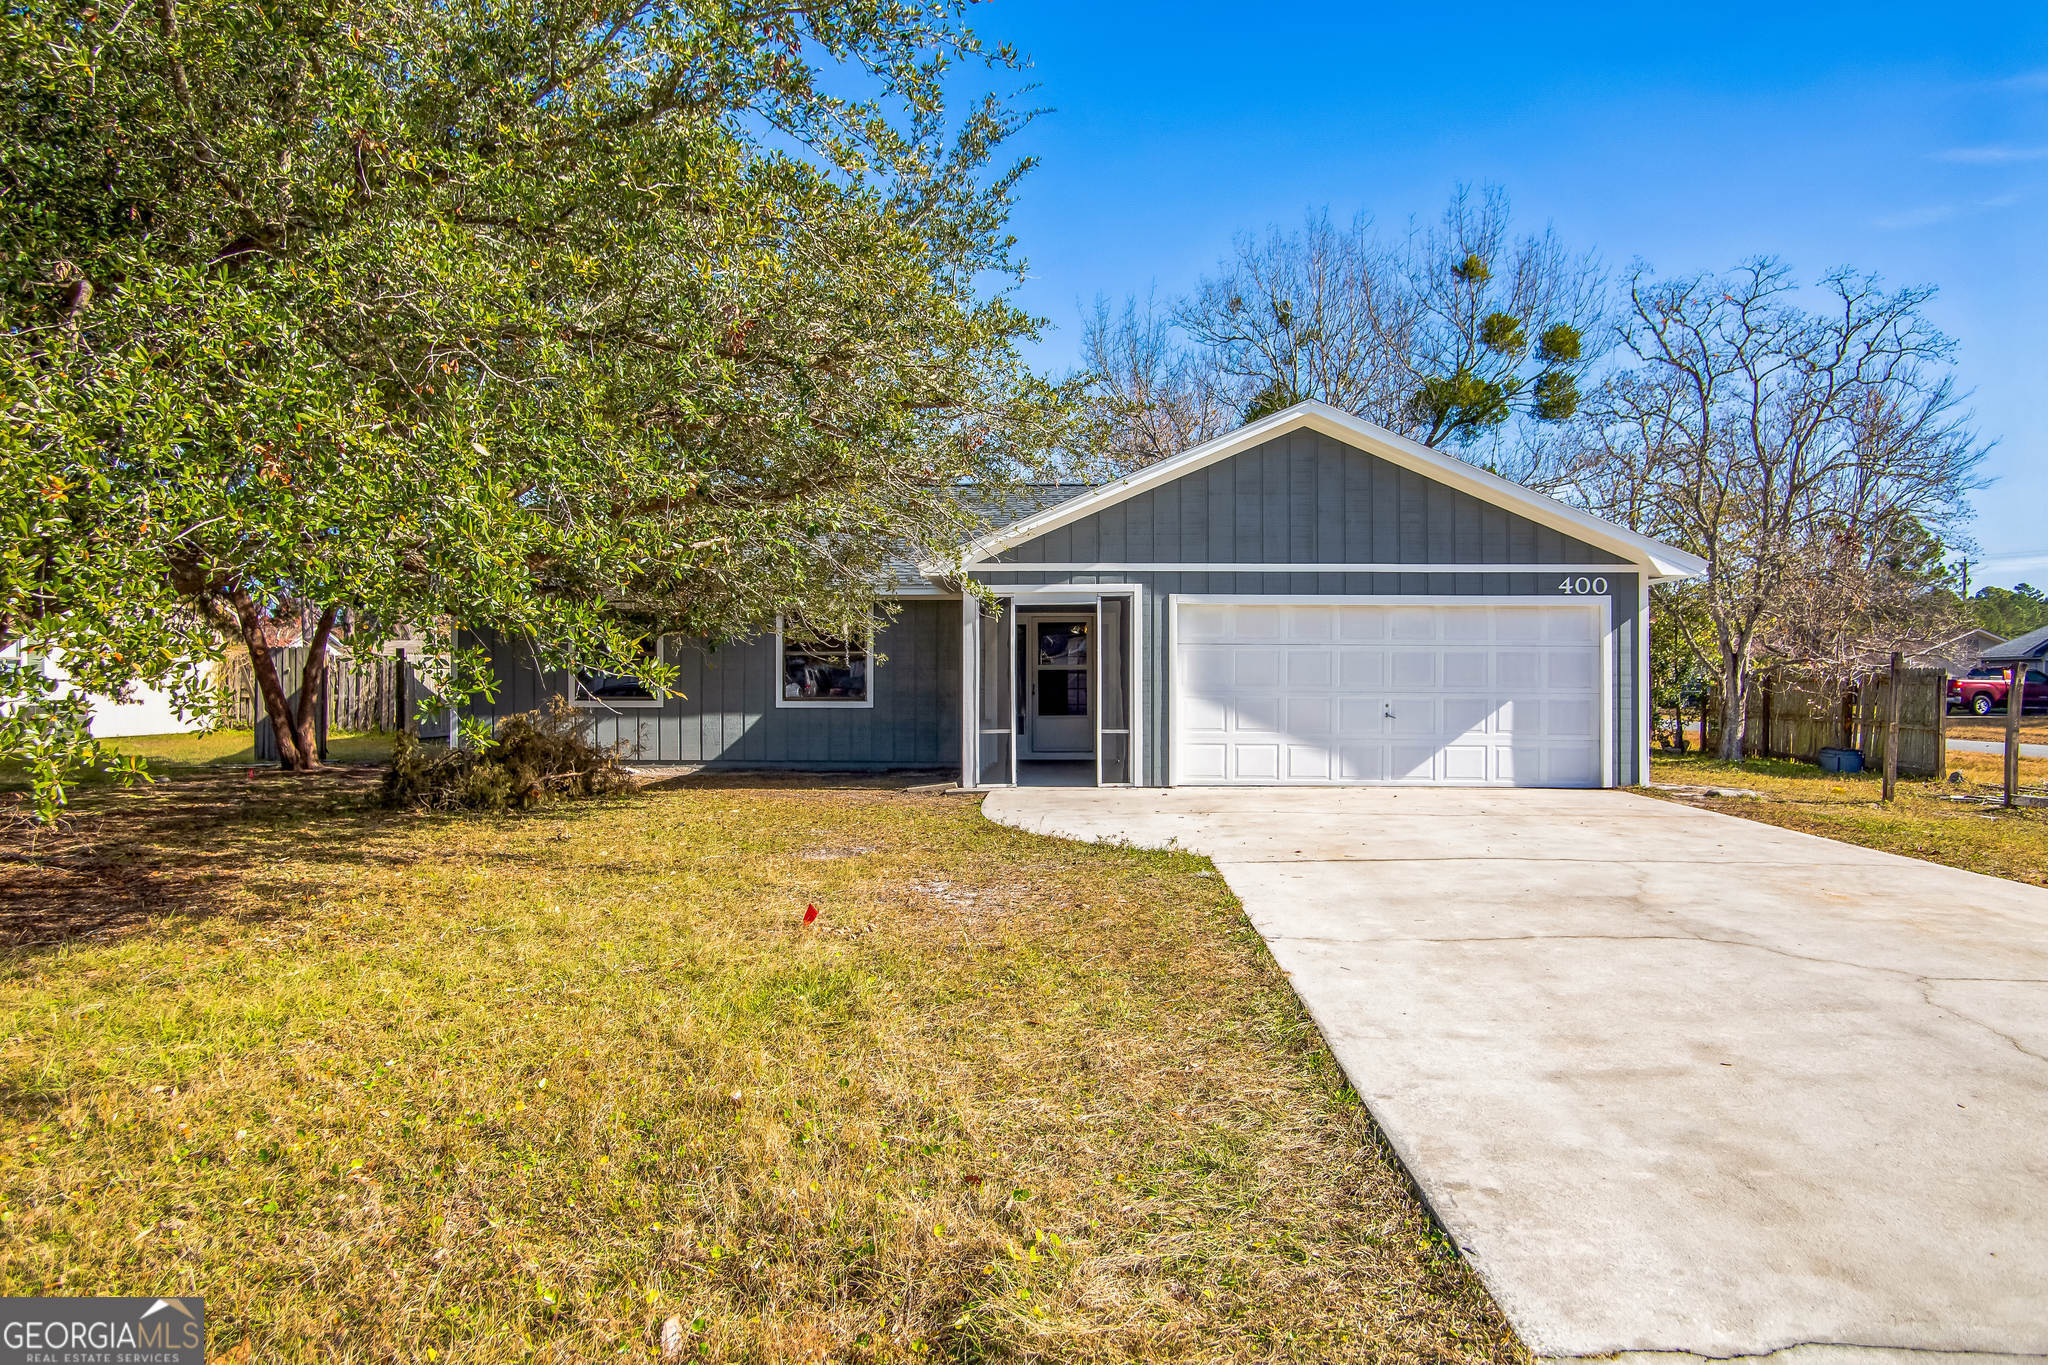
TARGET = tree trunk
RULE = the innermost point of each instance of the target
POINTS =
(313, 687)
(290, 755)
(1734, 705)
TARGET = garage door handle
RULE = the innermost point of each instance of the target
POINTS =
(1390, 712)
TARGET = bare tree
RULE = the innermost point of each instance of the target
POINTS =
(1319, 313)
(1149, 394)
(1447, 333)
(1792, 450)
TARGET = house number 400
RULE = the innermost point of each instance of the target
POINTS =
(1578, 587)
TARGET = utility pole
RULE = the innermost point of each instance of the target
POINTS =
(1966, 579)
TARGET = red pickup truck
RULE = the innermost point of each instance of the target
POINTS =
(1983, 691)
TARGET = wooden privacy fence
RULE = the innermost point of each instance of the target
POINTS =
(363, 691)
(1792, 715)
(1795, 715)
(1923, 721)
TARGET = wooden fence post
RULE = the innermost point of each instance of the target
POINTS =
(1891, 726)
(2015, 702)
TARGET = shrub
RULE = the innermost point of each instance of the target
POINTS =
(530, 760)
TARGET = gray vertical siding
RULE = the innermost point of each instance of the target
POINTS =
(1305, 498)
(725, 714)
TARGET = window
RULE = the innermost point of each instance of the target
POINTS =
(589, 687)
(823, 670)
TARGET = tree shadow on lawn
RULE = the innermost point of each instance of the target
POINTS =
(121, 859)
(200, 843)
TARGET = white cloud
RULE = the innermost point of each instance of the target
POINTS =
(1931, 214)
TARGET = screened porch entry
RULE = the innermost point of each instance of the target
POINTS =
(1051, 686)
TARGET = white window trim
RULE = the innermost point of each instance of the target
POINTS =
(783, 703)
(654, 703)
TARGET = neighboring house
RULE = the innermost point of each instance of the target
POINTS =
(144, 711)
(2025, 649)
(1958, 655)
(1309, 599)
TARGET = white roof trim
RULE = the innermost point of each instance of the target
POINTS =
(1666, 563)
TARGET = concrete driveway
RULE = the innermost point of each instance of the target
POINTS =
(1675, 1081)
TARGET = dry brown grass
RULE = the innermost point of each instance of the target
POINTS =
(2033, 728)
(1926, 820)
(419, 1087)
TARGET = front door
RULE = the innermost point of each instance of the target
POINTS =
(1059, 717)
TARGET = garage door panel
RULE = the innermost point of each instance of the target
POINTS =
(1310, 668)
(1306, 692)
(1412, 623)
(1463, 763)
(1572, 719)
(1257, 715)
(1361, 669)
(1570, 627)
(1513, 668)
(1308, 762)
(1256, 667)
(1469, 715)
(1569, 669)
(1206, 671)
(1312, 717)
(1256, 762)
(1310, 624)
(1466, 627)
(1413, 716)
(1255, 623)
(1412, 668)
(1413, 762)
(1466, 668)
(1361, 763)
(1360, 716)
(1360, 623)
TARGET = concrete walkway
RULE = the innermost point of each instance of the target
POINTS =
(1985, 746)
(1676, 1082)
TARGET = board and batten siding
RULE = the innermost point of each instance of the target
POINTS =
(1305, 497)
(726, 716)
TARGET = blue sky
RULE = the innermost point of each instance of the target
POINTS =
(1906, 139)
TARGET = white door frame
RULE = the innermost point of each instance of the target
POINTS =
(1049, 595)
(1605, 604)
(1027, 621)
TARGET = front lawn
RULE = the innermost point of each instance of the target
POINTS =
(235, 748)
(388, 1087)
(1925, 821)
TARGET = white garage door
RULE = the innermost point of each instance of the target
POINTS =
(1314, 692)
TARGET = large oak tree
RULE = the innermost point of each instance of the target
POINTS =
(574, 321)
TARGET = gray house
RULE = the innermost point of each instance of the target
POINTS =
(1310, 599)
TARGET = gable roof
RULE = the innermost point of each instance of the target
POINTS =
(1665, 563)
(2031, 645)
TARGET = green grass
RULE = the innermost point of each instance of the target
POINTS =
(396, 1087)
(1924, 821)
(232, 748)
(174, 758)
